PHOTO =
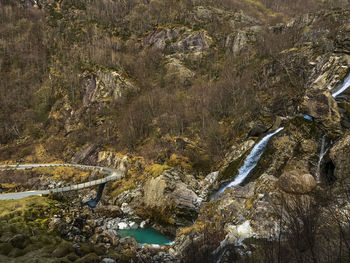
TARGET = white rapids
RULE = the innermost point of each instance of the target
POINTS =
(250, 162)
(343, 87)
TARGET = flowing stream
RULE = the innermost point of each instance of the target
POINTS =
(323, 152)
(343, 87)
(250, 162)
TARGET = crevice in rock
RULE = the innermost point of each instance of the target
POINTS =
(327, 173)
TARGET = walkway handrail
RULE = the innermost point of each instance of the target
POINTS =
(113, 175)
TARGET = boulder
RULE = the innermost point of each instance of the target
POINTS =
(294, 182)
(19, 241)
(127, 210)
(239, 212)
(168, 194)
(123, 225)
(109, 211)
(133, 225)
(320, 104)
(144, 223)
(257, 130)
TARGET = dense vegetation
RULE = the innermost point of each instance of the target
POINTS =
(173, 85)
(48, 51)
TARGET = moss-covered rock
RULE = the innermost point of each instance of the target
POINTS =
(5, 248)
(63, 249)
(235, 160)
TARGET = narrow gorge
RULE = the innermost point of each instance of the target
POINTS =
(176, 131)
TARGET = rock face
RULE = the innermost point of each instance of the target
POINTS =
(168, 194)
(234, 159)
(177, 71)
(319, 103)
(240, 40)
(179, 39)
(113, 160)
(257, 130)
(295, 182)
(342, 42)
(242, 212)
(340, 155)
(104, 86)
(284, 150)
(86, 154)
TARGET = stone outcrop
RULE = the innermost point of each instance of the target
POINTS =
(241, 39)
(86, 155)
(318, 101)
(104, 86)
(113, 160)
(180, 40)
(234, 159)
(176, 71)
(168, 194)
(342, 42)
(242, 212)
(340, 155)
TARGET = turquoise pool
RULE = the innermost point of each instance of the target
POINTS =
(145, 236)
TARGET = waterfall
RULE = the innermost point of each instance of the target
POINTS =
(343, 87)
(323, 152)
(250, 162)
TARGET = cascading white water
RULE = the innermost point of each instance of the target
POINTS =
(250, 162)
(343, 87)
(323, 152)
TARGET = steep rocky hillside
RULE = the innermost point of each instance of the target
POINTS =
(182, 96)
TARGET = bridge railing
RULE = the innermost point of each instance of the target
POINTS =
(112, 175)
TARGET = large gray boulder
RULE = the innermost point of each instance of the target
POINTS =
(174, 200)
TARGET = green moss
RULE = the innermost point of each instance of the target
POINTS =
(197, 227)
(16, 252)
(124, 186)
(250, 202)
(156, 169)
(5, 248)
(231, 170)
(92, 257)
(161, 216)
(20, 207)
(63, 249)
(72, 257)
(181, 161)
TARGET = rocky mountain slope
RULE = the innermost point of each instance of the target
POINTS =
(176, 94)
